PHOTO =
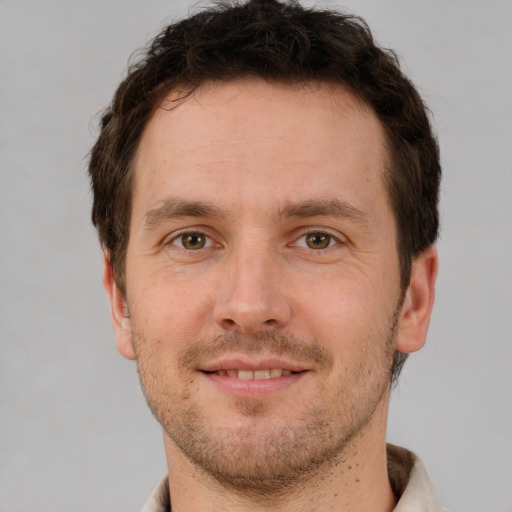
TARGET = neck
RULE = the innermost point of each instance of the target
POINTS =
(356, 480)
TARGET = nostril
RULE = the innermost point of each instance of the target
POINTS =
(229, 324)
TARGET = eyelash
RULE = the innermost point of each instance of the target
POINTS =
(332, 240)
(200, 234)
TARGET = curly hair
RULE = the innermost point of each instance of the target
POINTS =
(281, 42)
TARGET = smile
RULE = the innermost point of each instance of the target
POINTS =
(254, 375)
(240, 377)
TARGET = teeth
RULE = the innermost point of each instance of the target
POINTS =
(256, 375)
(262, 374)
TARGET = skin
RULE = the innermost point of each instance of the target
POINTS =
(261, 236)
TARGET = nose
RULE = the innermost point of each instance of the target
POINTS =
(252, 297)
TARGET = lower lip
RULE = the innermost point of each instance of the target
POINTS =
(254, 388)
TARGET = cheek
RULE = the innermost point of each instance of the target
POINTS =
(165, 308)
(349, 317)
(339, 300)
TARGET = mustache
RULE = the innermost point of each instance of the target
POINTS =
(273, 343)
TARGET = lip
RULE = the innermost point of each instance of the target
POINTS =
(254, 388)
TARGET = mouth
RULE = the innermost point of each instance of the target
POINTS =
(245, 378)
(265, 374)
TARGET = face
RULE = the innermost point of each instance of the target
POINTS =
(262, 278)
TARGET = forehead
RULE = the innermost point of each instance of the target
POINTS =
(252, 137)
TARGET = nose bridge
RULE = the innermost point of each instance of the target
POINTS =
(252, 297)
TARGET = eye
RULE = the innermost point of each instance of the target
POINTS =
(192, 241)
(316, 240)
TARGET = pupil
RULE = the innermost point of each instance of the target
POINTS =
(194, 241)
(318, 240)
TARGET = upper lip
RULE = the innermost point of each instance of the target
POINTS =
(254, 364)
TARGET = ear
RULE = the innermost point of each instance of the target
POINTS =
(118, 311)
(418, 303)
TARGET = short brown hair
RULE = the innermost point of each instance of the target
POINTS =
(280, 42)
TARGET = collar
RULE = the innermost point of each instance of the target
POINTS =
(410, 482)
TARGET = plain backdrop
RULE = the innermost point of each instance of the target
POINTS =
(75, 433)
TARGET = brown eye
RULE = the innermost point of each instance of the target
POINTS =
(192, 241)
(318, 240)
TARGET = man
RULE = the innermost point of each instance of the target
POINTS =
(265, 191)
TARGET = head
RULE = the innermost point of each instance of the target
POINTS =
(265, 190)
(279, 43)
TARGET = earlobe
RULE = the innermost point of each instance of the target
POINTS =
(418, 303)
(118, 311)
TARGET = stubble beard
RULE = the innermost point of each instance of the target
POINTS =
(267, 458)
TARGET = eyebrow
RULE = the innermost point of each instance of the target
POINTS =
(325, 208)
(173, 208)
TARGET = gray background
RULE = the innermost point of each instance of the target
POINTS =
(75, 433)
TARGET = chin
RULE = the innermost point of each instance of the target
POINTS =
(262, 455)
